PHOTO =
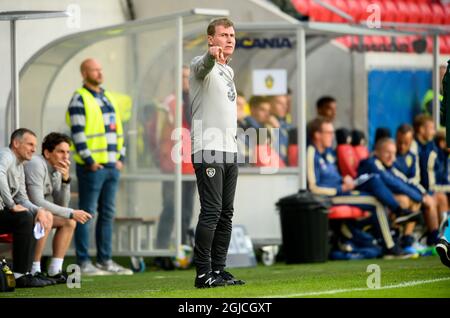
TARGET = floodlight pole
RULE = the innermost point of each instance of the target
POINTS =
(178, 122)
(301, 105)
(436, 78)
(14, 78)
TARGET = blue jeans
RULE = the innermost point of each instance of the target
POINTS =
(97, 192)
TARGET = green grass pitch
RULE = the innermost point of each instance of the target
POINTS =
(423, 277)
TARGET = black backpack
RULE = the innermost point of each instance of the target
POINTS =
(7, 280)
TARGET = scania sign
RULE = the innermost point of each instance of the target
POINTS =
(263, 43)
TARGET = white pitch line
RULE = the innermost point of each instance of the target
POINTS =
(338, 291)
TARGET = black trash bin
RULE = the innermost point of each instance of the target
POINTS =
(304, 227)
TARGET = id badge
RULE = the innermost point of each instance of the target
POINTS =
(112, 122)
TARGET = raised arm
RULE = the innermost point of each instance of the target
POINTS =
(35, 179)
(202, 65)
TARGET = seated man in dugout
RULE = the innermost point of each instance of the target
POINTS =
(433, 171)
(259, 113)
(253, 130)
(409, 195)
(47, 182)
(368, 192)
(17, 214)
(277, 119)
(407, 162)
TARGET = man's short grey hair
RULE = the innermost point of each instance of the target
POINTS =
(18, 134)
(380, 143)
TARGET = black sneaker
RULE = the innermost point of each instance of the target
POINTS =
(433, 238)
(28, 280)
(44, 278)
(209, 280)
(443, 249)
(404, 216)
(60, 278)
(399, 253)
(406, 240)
(229, 278)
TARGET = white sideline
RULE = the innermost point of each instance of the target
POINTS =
(338, 291)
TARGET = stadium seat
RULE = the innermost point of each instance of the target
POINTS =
(301, 6)
(377, 43)
(346, 159)
(447, 40)
(429, 44)
(355, 9)
(413, 13)
(446, 14)
(389, 12)
(266, 156)
(403, 44)
(444, 45)
(402, 11)
(361, 153)
(340, 212)
(367, 40)
(364, 14)
(359, 144)
(6, 238)
(425, 13)
(6, 246)
(318, 13)
(387, 43)
(344, 40)
(293, 155)
(438, 14)
(354, 42)
(341, 5)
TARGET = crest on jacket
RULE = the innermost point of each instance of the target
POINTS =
(210, 172)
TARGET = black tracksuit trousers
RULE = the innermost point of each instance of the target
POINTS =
(216, 183)
(20, 224)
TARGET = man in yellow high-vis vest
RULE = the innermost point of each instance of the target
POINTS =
(427, 100)
(97, 134)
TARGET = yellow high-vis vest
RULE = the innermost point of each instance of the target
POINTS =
(428, 98)
(95, 128)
